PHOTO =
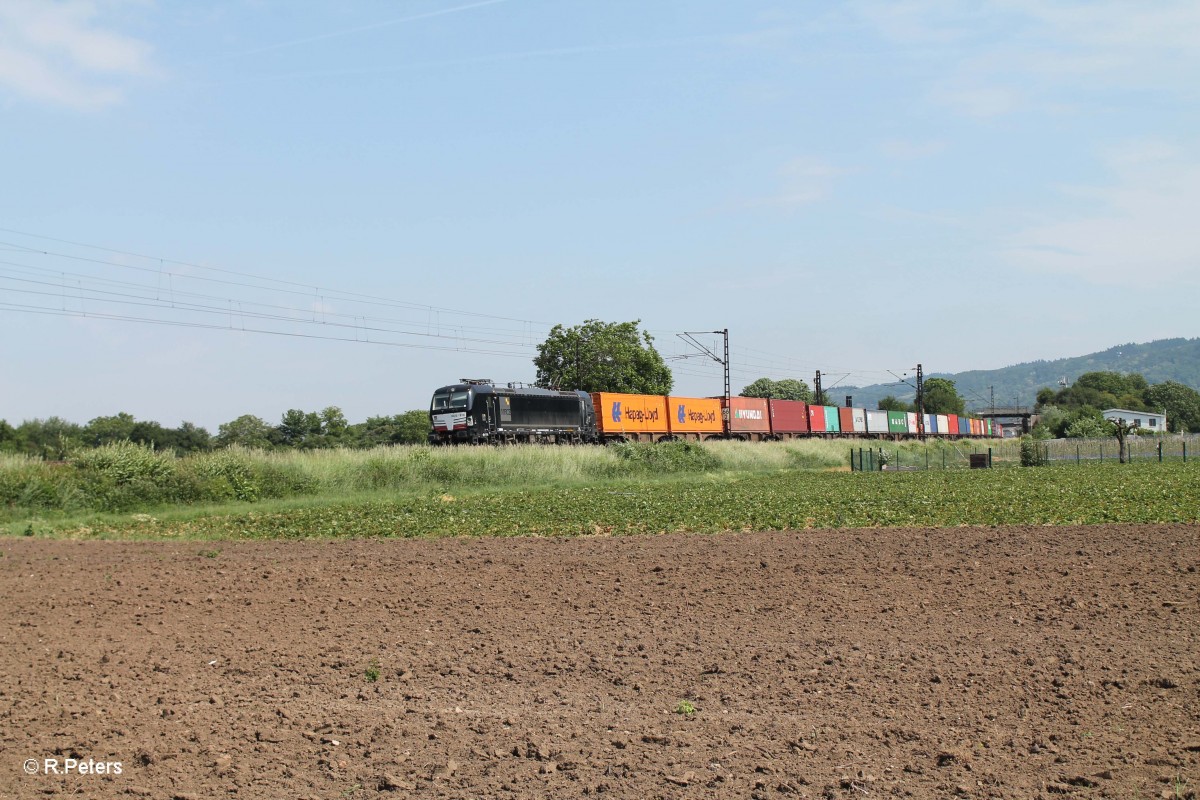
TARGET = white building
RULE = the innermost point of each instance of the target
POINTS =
(1140, 419)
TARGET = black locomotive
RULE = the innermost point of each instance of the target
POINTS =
(478, 412)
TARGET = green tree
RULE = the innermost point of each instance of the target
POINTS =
(411, 427)
(52, 438)
(152, 434)
(299, 429)
(1121, 429)
(1052, 423)
(8, 437)
(190, 438)
(941, 397)
(106, 430)
(1090, 427)
(333, 426)
(246, 431)
(1099, 390)
(1180, 403)
(793, 389)
(763, 387)
(890, 403)
(786, 389)
(602, 357)
(1114, 383)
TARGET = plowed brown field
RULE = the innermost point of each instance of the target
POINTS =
(971, 662)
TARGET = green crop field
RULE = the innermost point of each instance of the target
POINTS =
(416, 492)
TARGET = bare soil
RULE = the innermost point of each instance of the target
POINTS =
(972, 662)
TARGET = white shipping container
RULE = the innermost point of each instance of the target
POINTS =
(943, 422)
(860, 419)
(912, 422)
(877, 422)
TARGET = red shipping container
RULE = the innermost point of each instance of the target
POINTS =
(788, 416)
(816, 418)
(749, 415)
(846, 419)
(953, 418)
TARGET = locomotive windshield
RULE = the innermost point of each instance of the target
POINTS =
(449, 401)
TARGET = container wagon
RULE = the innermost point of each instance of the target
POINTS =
(789, 419)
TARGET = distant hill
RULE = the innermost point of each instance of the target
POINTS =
(1163, 360)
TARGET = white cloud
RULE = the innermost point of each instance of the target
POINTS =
(1119, 23)
(1001, 56)
(918, 22)
(58, 53)
(1142, 233)
(805, 180)
(980, 101)
(905, 150)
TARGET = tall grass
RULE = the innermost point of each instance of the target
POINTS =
(407, 467)
(534, 465)
(15, 460)
(124, 476)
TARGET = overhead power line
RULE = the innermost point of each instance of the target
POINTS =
(165, 291)
(29, 309)
(298, 287)
(168, 291)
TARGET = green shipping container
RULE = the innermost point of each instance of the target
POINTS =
(831, 420)
(897, 422)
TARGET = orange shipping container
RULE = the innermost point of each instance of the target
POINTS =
(619, 414)
(749, 415)
(694, 415)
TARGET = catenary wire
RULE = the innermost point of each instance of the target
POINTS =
(749, 367)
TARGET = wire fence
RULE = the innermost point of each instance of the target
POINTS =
(946, 455)
(1179, 447)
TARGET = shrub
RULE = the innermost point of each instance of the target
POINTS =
(228, 473)
(680, 456)
(247, 475)
(125, 462)
(37, 486)
(1033, 452)
(119, 476)
(382, 472)
(283, 480)
(1089, 428)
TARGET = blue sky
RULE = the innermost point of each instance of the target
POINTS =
(408, 192)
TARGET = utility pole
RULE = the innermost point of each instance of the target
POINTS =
(688, 336)
(818, 397)
(992, 392)
(920, 402)
(726, 414)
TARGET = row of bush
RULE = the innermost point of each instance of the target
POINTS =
(126, 476)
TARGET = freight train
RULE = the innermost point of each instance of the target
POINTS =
(479, 412)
